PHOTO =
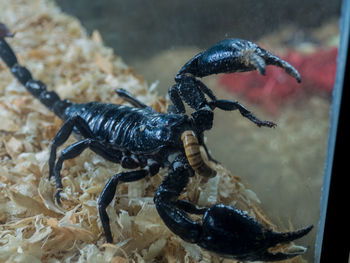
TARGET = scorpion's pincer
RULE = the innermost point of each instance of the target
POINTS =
(231, 233)
(235, 55)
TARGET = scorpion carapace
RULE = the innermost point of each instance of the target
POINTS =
(141, 139)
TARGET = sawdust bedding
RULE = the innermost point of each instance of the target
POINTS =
(33, 228)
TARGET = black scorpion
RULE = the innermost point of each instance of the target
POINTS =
(139, 137)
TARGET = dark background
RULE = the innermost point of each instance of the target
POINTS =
(138, 29)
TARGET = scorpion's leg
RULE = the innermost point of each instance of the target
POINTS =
(192, 92)
(63, 134)
(131, 99)
(61, 137)
(109, 190)
(70, 152)
(230, 105)
(76, 149)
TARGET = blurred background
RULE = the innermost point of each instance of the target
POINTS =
(283, 166)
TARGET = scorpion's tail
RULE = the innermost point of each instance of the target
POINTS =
(37, 88)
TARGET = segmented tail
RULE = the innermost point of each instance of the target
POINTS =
(35, 87)
(193, 154)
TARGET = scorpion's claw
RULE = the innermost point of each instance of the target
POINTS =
(235, 55)
(271, 59)
(232, 233)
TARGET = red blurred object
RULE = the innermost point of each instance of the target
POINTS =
(274, 90)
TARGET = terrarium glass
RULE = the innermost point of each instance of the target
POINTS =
(283, 167)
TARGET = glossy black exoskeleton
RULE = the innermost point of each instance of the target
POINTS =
(227, 56)
(141, 139)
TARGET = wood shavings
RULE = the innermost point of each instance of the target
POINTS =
(8, 125)
(14, 147)
(104, 64)
(46, 193)
(32, 205)
(33, 228)
(208, 195)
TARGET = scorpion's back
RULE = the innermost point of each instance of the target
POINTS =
(138, 130)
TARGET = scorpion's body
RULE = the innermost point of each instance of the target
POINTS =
(137, 137)
(141, 139)
(126, 128)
